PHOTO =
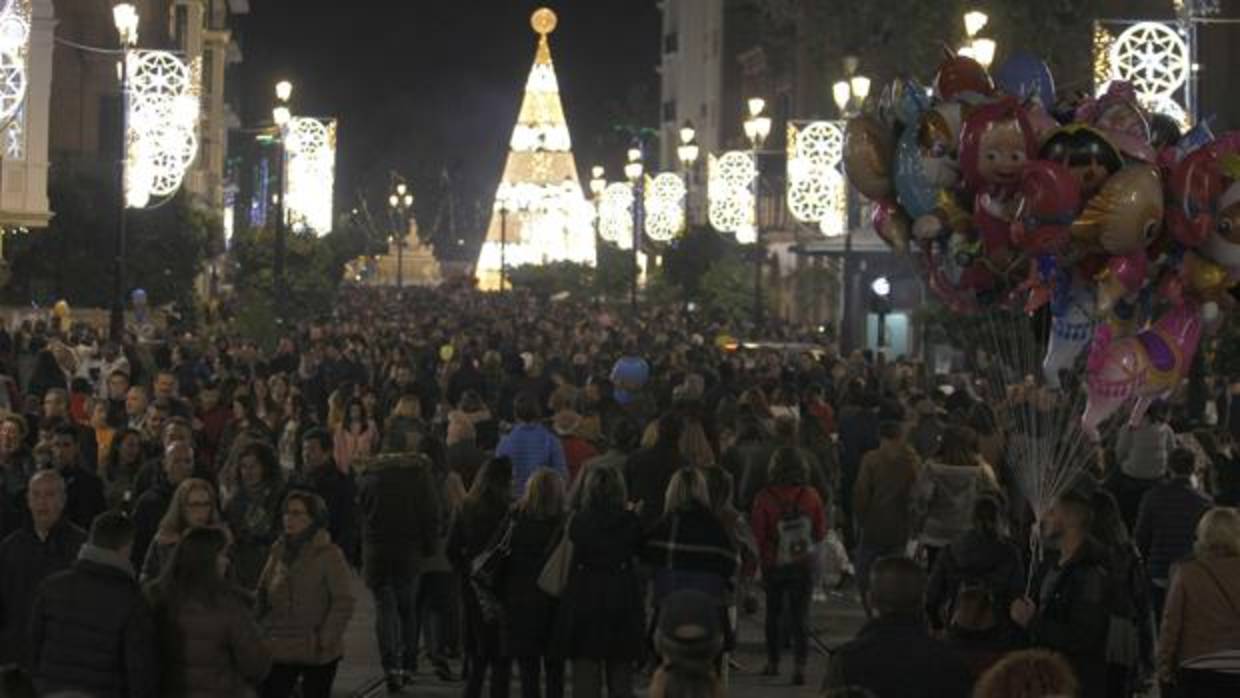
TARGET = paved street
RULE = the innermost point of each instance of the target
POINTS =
(835, 619)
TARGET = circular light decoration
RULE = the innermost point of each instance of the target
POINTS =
(814, 198)
(729, 191)
(161, 124)
(1153, 57)
(821, 143)
(615, 211)
(665, 206)
(14, 44)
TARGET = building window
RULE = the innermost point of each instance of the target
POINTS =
(669, 110)
(671, 43)
(181, 29)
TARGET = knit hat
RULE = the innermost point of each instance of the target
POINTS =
(689, 632)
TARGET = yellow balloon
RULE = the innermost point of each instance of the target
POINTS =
(446, 352)
(61, 309)
(867, 156)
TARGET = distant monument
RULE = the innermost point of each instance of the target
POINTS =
(540, 213)
(416, 262)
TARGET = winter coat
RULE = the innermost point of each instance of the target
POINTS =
(209, 650)
(147, 513)
(1200, 618)
(601, 614)
(465, 459)
(942, 500)
(895, 657)
(531, 447)
(975, 557)
(647, 475)
(1073, 614)
(92, 631)
(339, 492)
(691, 549)
(478, 525)
(255, 521)
(882, 495)
(25, 561)
(304, 607)
(14, 478)
(1143, 450)
(768, 509)
(529, 613)
(1167, 524)
(747, 462)
(400, 513)
(84, 498)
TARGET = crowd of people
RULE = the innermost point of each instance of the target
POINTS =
(587, 495)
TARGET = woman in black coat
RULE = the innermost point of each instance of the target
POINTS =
(483, 514)
(529, 613)
(599, 624)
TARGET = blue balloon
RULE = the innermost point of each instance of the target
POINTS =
(138, 297)
(916, 194)
(1027, 77)
(630, 373)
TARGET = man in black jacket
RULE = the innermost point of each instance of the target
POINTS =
(153, 504)
(91, 630)
(1167, 523)
(84, 490)
(400, 520)
(46, 545)
(893, 656)
(336, 488)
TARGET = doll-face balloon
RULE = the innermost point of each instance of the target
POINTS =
(1002, 153)
(995, 143)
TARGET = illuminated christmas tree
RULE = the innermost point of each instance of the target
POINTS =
(540, 213)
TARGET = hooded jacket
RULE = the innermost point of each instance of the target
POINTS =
(399, 507)
(942, 500)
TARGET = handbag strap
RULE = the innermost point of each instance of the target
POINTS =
(1221, 589)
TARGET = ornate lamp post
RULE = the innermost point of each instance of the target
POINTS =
(282, 117)
(598, 182)
(400, 201)
(849, 95)
(125, 17)
(634, 171)
(687, 152)
(981, 50)
(757, 128)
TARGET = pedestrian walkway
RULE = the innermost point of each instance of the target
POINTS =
(835, 618)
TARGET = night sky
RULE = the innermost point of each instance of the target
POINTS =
(423, 85)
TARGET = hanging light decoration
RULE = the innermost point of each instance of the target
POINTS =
(665, 206)
(310, 146)
(815, 192)
(14, 71)
(729, 188)
(162, 134)
(615, 212)
(1153, 57)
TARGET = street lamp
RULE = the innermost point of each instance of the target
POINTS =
(281, 115)
(687, 152)
(633, 171)
(979, 49)
(598, 183)
(880, 302)
(757, 128)
(125, 17)
(849, 95)
(401, 203)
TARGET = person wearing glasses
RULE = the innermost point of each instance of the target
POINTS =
(194, 505)
(305, 601)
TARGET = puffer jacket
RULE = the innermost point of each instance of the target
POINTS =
(942, 501)
(399, 509)
(975, 557)
(92, 631)
(305, 606)
(1166, 524)
(209, 650)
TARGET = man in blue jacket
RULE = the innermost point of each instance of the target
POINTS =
(530, 445)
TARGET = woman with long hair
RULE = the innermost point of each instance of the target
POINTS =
(478, 525)
(947, 485)
(788, 520)
(253, 510)
(689, 548)
(120, 468)
(537, 517)
(305, 601)
(599, 623)
(194, 504)
(209, 642)
(357, 436)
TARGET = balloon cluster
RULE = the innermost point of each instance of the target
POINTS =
(1124, 229)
